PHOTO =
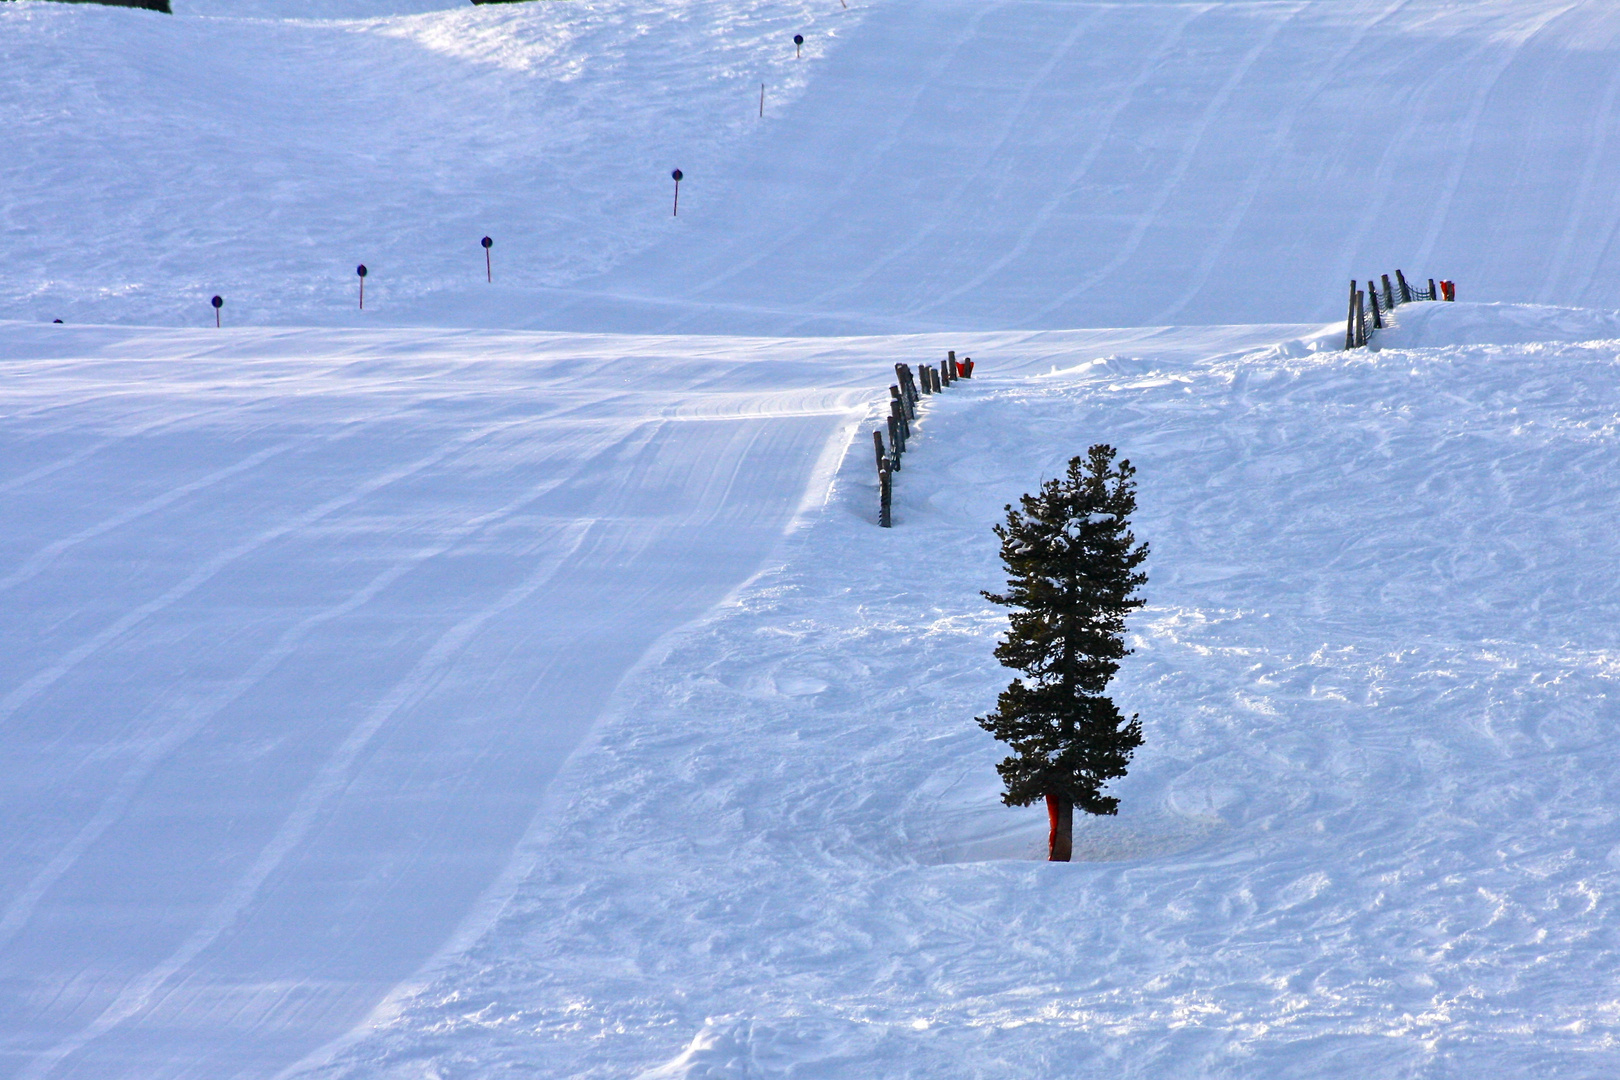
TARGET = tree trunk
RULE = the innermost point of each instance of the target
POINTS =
(1060, 840)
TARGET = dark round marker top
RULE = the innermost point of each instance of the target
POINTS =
(361, 269)
(218, 301)
(676, 175)
(798, 39)
(486, 241)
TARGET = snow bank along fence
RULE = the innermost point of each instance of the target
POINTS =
(1356, 331)
(904, 396)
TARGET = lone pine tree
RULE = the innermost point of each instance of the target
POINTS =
(1071, 579)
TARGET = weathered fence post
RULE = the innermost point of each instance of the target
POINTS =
(908, 389)
(1406, 291)
(899, 406)
(1350, 334)
(1432, 294)
(877, 445)
(1389, 293)
(967, 367)
(895, 441)
(1361, 318)
(885, 497)
(1378, 316)
(922, 378)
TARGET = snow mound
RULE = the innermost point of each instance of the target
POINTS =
(1430, 325)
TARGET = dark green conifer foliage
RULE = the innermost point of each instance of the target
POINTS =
(1072, 577)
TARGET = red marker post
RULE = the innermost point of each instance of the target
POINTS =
(676, 176)
(489, 275)
(361, 270)
(218, 303)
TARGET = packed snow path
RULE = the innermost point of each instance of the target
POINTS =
(300, 626)
(949, 163)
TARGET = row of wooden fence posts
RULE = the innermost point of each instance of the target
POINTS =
(1356, 331)
(904, 395)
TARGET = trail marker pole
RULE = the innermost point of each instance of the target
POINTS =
(218, 303)
(361, 270)
(798, 46)
(676, 176)
(762, 101)
(489, 274)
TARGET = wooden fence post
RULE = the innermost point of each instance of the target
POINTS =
(1389, 293)
(1406, 291)
(1361, 318)
(922, 378)
(1350, 335)
(895, 441)
(1378, 316)
(885, 497)
(1432, 294)
(877, 444)
(908, 390)
(967, 367)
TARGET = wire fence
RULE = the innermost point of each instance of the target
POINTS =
(905, 395)
(1359, 329)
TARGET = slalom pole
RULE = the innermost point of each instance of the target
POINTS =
(218, 303)
(762, 100)
(489, 275)
(676, 176)
(361, 270)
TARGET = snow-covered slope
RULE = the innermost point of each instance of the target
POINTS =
(392, 700)
(947, 164)
(152, 161)
(358, 724)
(299, 625)
(1373, 831)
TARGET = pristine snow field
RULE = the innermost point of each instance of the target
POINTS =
(382, 698)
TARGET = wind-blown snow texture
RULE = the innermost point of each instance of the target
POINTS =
(427, 702)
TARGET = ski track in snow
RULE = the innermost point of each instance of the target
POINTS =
(314, 651)
(918, 169)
